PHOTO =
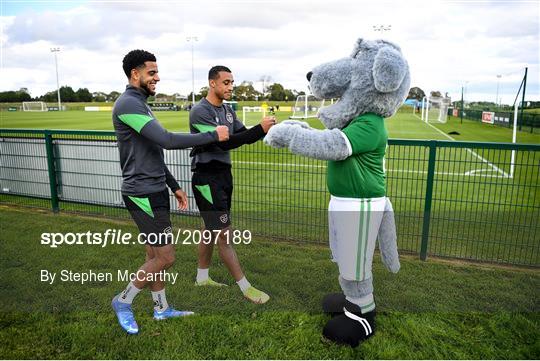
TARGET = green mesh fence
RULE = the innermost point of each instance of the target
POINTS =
(466, 200)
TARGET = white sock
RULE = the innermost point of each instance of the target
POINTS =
(160, 301)
(243, 284)
(202, 274)
(127, 295)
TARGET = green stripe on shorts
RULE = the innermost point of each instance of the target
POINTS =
(366, 239)
(359, 249)
(144, 204)
(206, 192)
(363, 238)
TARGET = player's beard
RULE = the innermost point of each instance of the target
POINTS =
(147, 88)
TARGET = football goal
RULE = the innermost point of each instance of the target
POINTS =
(34, 107)
(306, 106)
(435, 109)
(252, 115)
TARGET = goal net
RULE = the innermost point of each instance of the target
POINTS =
(306, 106)
(34, 107)
(435, 109)
(253, 115)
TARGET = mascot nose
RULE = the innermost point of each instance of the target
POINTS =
(308, 75)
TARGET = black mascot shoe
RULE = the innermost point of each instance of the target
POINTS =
(333, 304)
(351, 327)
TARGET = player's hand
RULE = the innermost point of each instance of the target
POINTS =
(267, 123)
(181, 198)
(223, 133)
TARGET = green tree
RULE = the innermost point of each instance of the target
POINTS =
(162, 97)
(99, 97)
(83, 95)
(246, 91)
(277, 92)
(289, 95)
(11, 96)
(24, 95)
(113, 96)
(67, 94)
(198, 96)
(202, 93)
(416, 93)
(49, 96)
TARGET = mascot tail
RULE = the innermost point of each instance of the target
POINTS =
(388, 239)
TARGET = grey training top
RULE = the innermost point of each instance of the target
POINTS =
(205, 117)
(141, 140)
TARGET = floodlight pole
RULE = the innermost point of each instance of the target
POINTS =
(192, 39)
(56, 50)
(463, 89)
(462, 105)
(497, 97)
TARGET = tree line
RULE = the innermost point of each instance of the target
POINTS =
(244, 91)
(67, 94)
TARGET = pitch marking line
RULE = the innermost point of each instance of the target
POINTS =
(471, 173)
(503, 173)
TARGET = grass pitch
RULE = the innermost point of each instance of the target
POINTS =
(480, 210)
(402, 125)
(429, 310)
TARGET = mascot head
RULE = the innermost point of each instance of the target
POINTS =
(374, 79)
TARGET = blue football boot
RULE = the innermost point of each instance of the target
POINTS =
(125, 316)
(170, 313)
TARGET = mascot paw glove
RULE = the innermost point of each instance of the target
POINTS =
(280, 135)
(297, 123)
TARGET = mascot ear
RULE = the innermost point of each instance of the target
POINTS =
(356, 48)
(389, 69)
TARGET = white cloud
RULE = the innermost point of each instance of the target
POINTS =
(447, 43)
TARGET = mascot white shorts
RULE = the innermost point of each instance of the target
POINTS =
(353, 225)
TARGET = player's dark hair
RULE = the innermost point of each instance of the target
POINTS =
(135, 59)
(214, 72)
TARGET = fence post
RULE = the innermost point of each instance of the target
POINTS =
(429, 195)
(52, 171)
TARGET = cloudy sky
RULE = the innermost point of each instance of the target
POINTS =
(447, 43)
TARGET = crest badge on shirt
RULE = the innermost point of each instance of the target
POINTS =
(229, 117)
